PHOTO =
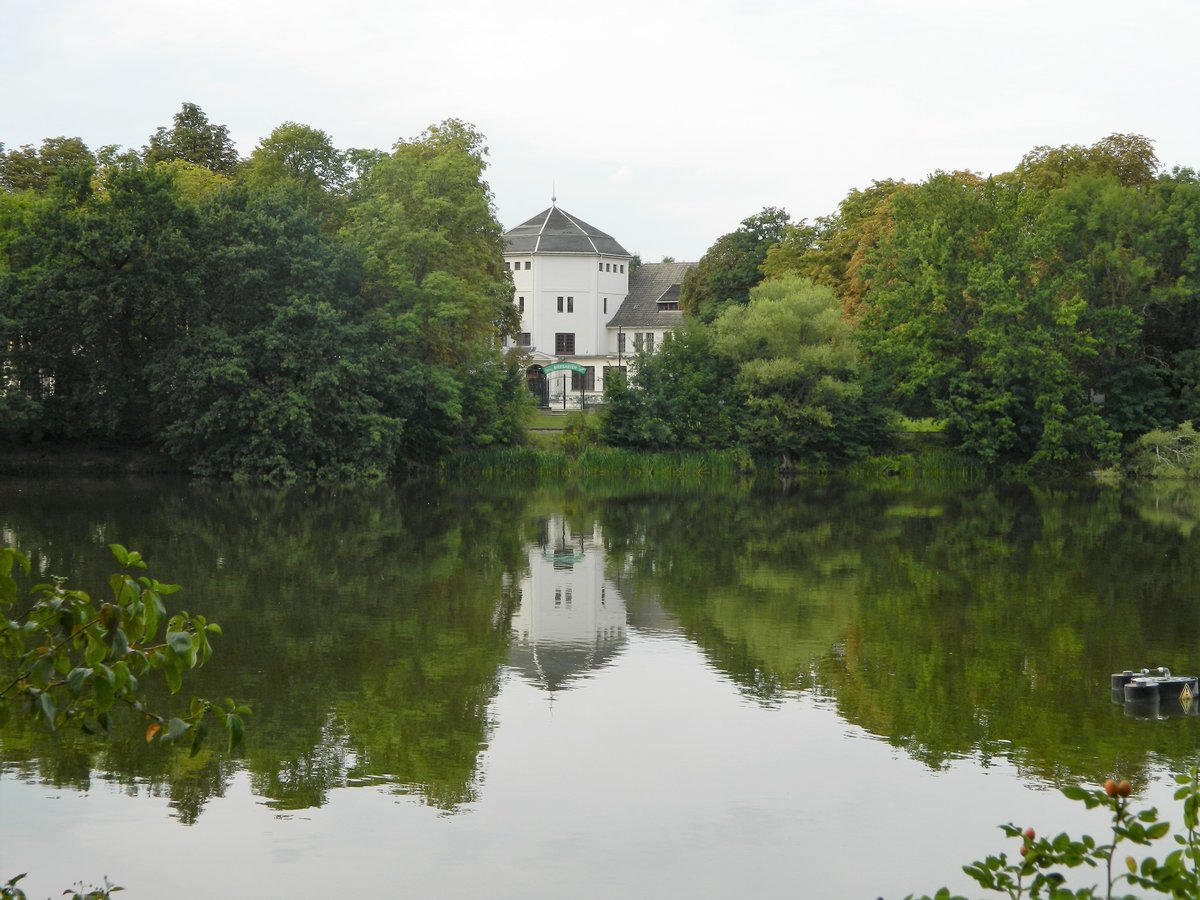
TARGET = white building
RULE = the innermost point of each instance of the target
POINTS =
(581, 306)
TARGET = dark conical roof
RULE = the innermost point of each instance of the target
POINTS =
(554, 231)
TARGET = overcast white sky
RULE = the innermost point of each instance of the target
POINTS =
(664, 124)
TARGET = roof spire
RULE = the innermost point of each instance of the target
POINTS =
(553, 191)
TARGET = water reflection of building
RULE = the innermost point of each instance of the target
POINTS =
(571, 618)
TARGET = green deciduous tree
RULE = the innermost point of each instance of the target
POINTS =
(684, 398)
(732, 265)
(101, 277)
(32, 168)
(302, 159)
(193, 139)
(425, 226)
(285, 386)
(797, 370)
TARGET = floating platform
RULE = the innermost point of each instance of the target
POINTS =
(1156, 693)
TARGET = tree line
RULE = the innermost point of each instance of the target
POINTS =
(1048, 316)
(304, 312)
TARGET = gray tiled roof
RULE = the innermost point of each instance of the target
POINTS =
(650, 283)
(554, 231)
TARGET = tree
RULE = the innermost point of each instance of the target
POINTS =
(30, 168)
(797, 368)
(193, 139)
(1129, 158)
(303, 159)
(102, 276)
(684, 398)
(833, 249)
(279, 375)
(732, 265)
(432, 252)
(974, 313)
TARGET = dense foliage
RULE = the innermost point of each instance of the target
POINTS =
(306, 313)
(777, 377)
(1048, 314)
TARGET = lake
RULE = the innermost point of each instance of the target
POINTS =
(596, 691)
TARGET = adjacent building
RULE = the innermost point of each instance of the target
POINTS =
(583, 311)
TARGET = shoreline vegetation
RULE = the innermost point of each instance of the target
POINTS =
(316, 314)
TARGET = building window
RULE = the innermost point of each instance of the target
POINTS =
(649, 341)
(601, 265)
(622, 267)
(564, 343)
(560, 306)
(528, 265)
(520, 304)
(607, 267)
(570, 304)
(608, 370)
(637, 341)
(606, 306)
(525, 340)
(586, 381)
(621, 342)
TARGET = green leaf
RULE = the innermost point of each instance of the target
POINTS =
(176, 729)
(173, 671)
(1154, 832)
(179, 641)
(120, 643)
(1075, 792)
(96, 651)
(45, 704)
(154, 611)
(235, 727)
(75, 679)
(119, 552)
(214, 628)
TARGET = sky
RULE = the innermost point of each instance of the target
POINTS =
(662, 124)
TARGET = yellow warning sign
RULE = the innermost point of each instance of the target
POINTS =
(1185, 697)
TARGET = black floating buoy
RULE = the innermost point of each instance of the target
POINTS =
(1150, 687)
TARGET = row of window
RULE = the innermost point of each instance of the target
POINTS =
(604, 267)
(641, 340)
(564, 341)
(570, 305)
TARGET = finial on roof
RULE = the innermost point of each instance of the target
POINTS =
(553, 191)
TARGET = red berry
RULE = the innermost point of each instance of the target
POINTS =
(1110, 788)
(1030, 834)
(1024, 849)
(1123, 788)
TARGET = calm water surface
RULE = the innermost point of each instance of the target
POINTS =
(829, 691)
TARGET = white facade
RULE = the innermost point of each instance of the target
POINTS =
(579, 305)
(569, 279)
(568, 294)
